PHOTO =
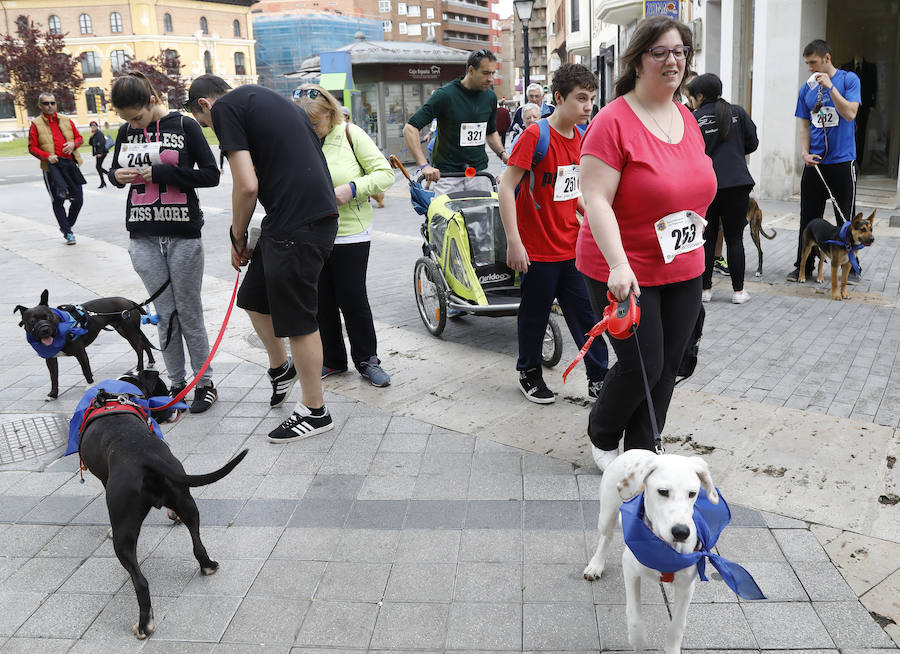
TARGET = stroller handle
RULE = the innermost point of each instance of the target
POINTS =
(480, 173)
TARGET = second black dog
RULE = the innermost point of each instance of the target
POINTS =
(123, 315)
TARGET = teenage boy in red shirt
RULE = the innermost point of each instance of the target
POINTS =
(541, 230)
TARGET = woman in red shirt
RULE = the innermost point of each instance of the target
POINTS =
(647, 182)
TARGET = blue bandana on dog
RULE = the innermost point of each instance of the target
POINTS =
(67, 325)
(710, 519)
(114, 386)
(850, 247)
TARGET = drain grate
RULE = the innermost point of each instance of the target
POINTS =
(895, 221)
(26, 437)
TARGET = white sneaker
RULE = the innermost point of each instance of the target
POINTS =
(706, 295)
(603, 457)
(739, 297)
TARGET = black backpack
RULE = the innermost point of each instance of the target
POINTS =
(689, 360)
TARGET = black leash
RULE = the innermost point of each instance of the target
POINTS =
(657, 439)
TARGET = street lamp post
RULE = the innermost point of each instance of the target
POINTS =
(523, 11)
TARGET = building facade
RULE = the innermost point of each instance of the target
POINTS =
(210, 36)
(537, 47)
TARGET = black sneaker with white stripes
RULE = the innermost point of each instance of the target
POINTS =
(302, 423)
(531, 383)
(283, 379)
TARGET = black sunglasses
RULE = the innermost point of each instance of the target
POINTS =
(312, 94)
(47, 103)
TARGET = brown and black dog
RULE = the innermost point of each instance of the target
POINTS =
(754, 218)
(823, 237)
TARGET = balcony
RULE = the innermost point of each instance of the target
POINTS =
(466, 40)
(471, 6)
(618, 12)
(469, 26)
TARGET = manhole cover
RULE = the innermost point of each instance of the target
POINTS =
(26, 437)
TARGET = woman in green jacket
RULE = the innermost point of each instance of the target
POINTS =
(358, 171)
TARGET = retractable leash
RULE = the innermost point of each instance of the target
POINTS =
(621, 319)
(818, 109)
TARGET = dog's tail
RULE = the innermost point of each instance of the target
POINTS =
(197, 480)
(763, 232)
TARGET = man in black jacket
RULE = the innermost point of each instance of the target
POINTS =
(99, 150)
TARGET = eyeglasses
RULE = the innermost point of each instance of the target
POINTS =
(47, 103)
(661, 53)
(312, 94)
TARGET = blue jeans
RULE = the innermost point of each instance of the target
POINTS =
(544, 281)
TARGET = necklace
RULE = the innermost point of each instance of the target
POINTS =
(666, 132)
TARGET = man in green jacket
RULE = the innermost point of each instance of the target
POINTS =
(466, 113)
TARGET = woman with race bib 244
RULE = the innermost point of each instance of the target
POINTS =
(647, 183)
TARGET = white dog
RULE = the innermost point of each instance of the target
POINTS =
(671, 484)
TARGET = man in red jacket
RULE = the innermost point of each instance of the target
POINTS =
(55, 141)
(504, 121)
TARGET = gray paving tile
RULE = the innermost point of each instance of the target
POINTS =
(788, 625)
(75, 541)
(498, 462)
(447, 441)
(37, 645)
(307, 544)
(289, 487)
(550, 487)
(491, 545)
(614, 630)
(553, 514)
(287, 579)
(233, 577)
(396, 463)
(494, 514)
(822, 581)
(745, 544)
(425, 545)
(42, 575)
(377, 514)
(484, 485)
(221, 513)
(321, 512)
(390, 488)
(410, 626)
(401, 442)
(404, 425)
(850, 625)
(435, 514)
(349, 462)
(485, 627)
(488, 582)
(421, 582)
(256, 622)
(338, 624)
(715, 626)
(335, 486)
(367, 545)
(26, 540)
(56, 619)
(539, 464)
(554, 546)
(56, 510)
(353, 581)
(559, 627)
(15, 608)
(265, 512)
(441, 486)
(776, 579)
(438, 462)
(555, 582)
(197, 618)
(97, 575)
(800, 545)
(775, 521)
(111, 631)
(741, 516)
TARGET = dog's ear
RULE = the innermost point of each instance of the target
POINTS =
(702, 469)
(871, 217)
(22, 309)
(45, 296)
(634, 475)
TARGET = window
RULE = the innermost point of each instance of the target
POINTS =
(401, 27)
(96, 101)
(84, 22)
(576, 18)
(204, 26)
(236, 28)
(239, 68)
(384, 6)
(7, 107)
(54, 25)
(4, 75)
(90, 64)
(115, 22)
(429, 13)
(414, 29)
(414, 10)
(117, 59)
(22, 24)
(401, 8)
(167, 23)
(172, 62)
(207, 62)
(386, 26)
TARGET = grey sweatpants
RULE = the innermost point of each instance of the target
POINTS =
(156, 259)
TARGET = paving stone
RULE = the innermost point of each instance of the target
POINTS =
(233, 577)
(404, 442)
(494, 514)
(367, 545)
(197, 618)
(800, 545)
(97, 575)
(435, 514)
(744, 544)
(56, 619)
(353, 581)
(292, 487)
(26, 540)
(716, 626)
(256, 622)
(425, 545)
(614, 630)
(484, 485)
(553, 514)
(488, 582)
(741, 516)
(338, 624)
(776, 579)
(491, 545)
(559, 627)
(554, 547)
(498, 462)
(335, 486)
(441, 486)
(445, 441)
(555, 582)
(485, 627)
(38, 645)
(550, 487)
(610, 588)
(788, 625)
(396, 463)
(436, 462)
(42, 575)
(350, 462)
(410, 626)
(589, 486)
(536, 464)
(822, 581)
(404, 425)
(57, 510)
(850, 625)
(321, 512)
(75, 541)
(390, 488)
(15, 608)
(287, 579)
(267, 512)
(112, 631)
(377, 514)
(307, 544)
(421, 582)
(775, 521)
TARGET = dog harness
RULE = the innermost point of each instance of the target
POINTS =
(846, 243)
(67, 330)
(655, 553)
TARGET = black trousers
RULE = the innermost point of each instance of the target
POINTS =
(544, 281)
(841, 179)
(100, 170)
(63, 181)
(342, 290)
(728, 209)
(668, 316)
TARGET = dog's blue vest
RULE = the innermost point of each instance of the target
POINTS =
(655, 553)
(851, 248)
(113, 386)
(67, 325)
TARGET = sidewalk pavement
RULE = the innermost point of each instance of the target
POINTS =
(396, 532)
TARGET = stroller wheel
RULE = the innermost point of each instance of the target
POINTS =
(431, 295)
(551, 348)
